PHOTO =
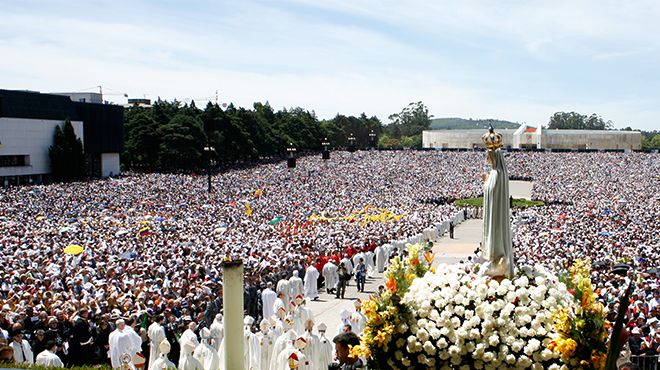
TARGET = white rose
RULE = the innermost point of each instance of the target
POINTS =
(429, 348)
(488, 356)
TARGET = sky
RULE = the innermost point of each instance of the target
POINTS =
(514, 60)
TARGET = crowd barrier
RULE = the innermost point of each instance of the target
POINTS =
(646, 362)
(434, 232)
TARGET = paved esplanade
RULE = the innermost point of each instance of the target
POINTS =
(467, 236)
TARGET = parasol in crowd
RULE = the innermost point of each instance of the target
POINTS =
(73, 250)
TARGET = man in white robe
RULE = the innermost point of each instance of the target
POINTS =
(295, 285)
(156, 334)
(189, 335)
(280, 302)
(283, 287)
(48, 357)
(311, 279)
(326, 347)
(300, 315)
(381, 258)
(356, 258)
(162, 362)
(358, 320)
(123, 341)
(205, 353)
(187, 361)
(345, 317)
(369, 261)
(251, 349)
(331, 277)
(313, 347)
(217, 332)
(283, 349)
(287, 338)
(22, 350)
(267, 339)
(349, 265)
(268, 297)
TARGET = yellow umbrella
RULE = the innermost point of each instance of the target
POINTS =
(73, 250)
(41, 218)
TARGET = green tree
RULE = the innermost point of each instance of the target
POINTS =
(576, 121)
(142, 141)
(411, 121)
(183, 140)
(67, 158)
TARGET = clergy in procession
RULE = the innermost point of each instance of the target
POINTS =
(348, 264)
(205, 353)
(295, 285)
(156, 335)
(267, 339)
(311, 279)
(312, 350)
(162, 362)
(283, 292)
(189, 335)
(286, 338)
(369, 261)
(326, 348)
(217, 332)
(48, 357)
(381, 258)
(268, 297)
(187, 361)
(251, 348)
(331, 277)
(301, 314)
(279, 322)
(284, 347)
(123, 341)
(358, 320)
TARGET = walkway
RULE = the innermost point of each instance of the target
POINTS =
(467, 237)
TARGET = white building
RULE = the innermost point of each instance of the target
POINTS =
(528, 137)
(27, 128)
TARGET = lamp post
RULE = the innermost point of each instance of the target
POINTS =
(326, 152)
(372, 138)
(291, 160)
(208, 149)
(351, 143)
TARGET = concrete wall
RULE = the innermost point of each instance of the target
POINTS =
(584, 139)
(110, 164)
(460, 138)
(30, 137)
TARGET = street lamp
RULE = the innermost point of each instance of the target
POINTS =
(372, 137)
(208, 149)
(291, 160)
(351, 143)
(326, 152)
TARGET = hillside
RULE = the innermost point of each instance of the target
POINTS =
(462, 124)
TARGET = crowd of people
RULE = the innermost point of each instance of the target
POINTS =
(153, 243)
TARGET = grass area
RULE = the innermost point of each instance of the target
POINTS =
(479, 202)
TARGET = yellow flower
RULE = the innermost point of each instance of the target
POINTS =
(567, 347)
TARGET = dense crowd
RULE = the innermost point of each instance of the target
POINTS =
(153, 243)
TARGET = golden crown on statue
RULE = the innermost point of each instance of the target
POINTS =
(492, 139)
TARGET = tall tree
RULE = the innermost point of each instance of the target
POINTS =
(67, 158)
(576, 121)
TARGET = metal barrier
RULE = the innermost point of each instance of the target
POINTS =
(646, 362)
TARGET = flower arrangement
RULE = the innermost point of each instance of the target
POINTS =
(386, 316)
(581, 327)
(456, 318)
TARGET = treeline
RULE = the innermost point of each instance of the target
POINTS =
(171, 136)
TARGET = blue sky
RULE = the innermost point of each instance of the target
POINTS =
(514, 60)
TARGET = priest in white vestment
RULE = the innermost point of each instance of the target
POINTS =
(283, 287)
(300, 315)
(295, 285)
(205, 353)
(251, 349)
(287, 338)
(381, 258)
(358, 320)
(217, 332)
(326, 348)
(123, 341)
(313, 347)
(187, 361)
(311, 280)
(331, 276)
(347, 262)
(369, 261)
(268, 297)
(48, 357)
(267, 339)
(156, 335)
(162, 362)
